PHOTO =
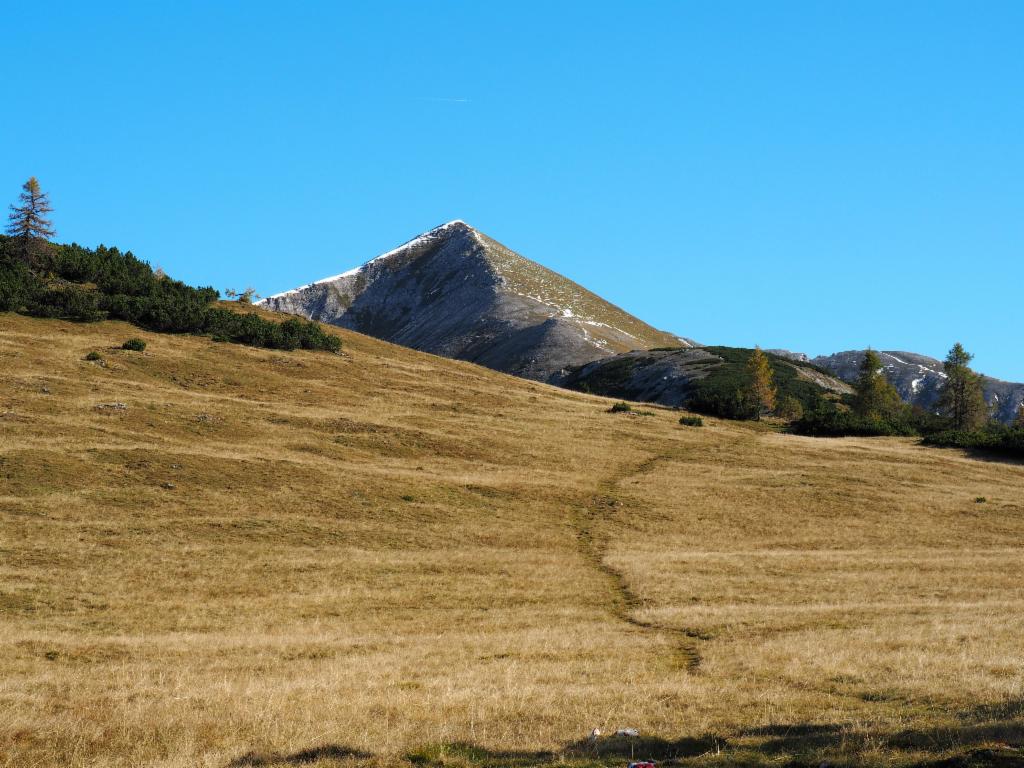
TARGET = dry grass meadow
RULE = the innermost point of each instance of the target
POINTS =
(219, 556)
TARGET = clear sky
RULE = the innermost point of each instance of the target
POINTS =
(818, 175)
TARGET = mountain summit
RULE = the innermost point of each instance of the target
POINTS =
(456, 292)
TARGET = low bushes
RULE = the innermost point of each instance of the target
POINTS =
(721, 392)
(134, 345)
(994, 438)
(87, 285)
(834, 422)
(251, 329)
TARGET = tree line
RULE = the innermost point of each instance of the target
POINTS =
(44, 279)
(960, 416)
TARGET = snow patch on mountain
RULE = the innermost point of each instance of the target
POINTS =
(422, 239)
(919, 379)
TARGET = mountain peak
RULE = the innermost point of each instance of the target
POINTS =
(456, 292)
(455, 226)
(457, 223)
(440, 232)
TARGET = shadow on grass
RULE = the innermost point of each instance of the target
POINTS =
(577, 753)
(990, 736)
(798, 737)
(303, 757)
(993, 456)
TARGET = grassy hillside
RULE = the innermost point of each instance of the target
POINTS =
(215, 555)
(528, 278)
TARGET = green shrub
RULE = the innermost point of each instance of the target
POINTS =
(89, 285)
(830, 419)
(134, 345)
(610, 378)
(294, 333)
(620, 408)
(720, 393)
(789, 408)
(67, 302)
(993, 438)
(720, 403)
(691, 421)
(93, 356)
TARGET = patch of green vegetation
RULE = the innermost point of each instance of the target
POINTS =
(611, 377)
(993, 438)
(719, 393)
(93, 356)
(831, 419)
(691, 421)
(134, 345)
(622, 407)
(75, 283)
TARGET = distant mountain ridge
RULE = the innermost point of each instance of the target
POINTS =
(919, 379)
(456, 292)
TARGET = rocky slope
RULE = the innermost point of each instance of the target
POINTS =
(453, 291)
(918, 379)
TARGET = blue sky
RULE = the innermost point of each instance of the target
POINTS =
(813, 175)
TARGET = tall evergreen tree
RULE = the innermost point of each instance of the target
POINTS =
(760, 392)
(962, 398)
(1019, 421)
(28, 223)
(875, 397)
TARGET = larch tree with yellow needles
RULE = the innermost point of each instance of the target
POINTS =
(760, 394)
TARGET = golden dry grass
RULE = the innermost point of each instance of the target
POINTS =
(277, 559)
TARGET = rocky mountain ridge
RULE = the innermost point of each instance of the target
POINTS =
(919, 379)
(456, 292)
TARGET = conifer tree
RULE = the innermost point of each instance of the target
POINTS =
(760, 393)
(962, 398)
(28, 223)
(789, 408)
(875, 396)
(1019, 421)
